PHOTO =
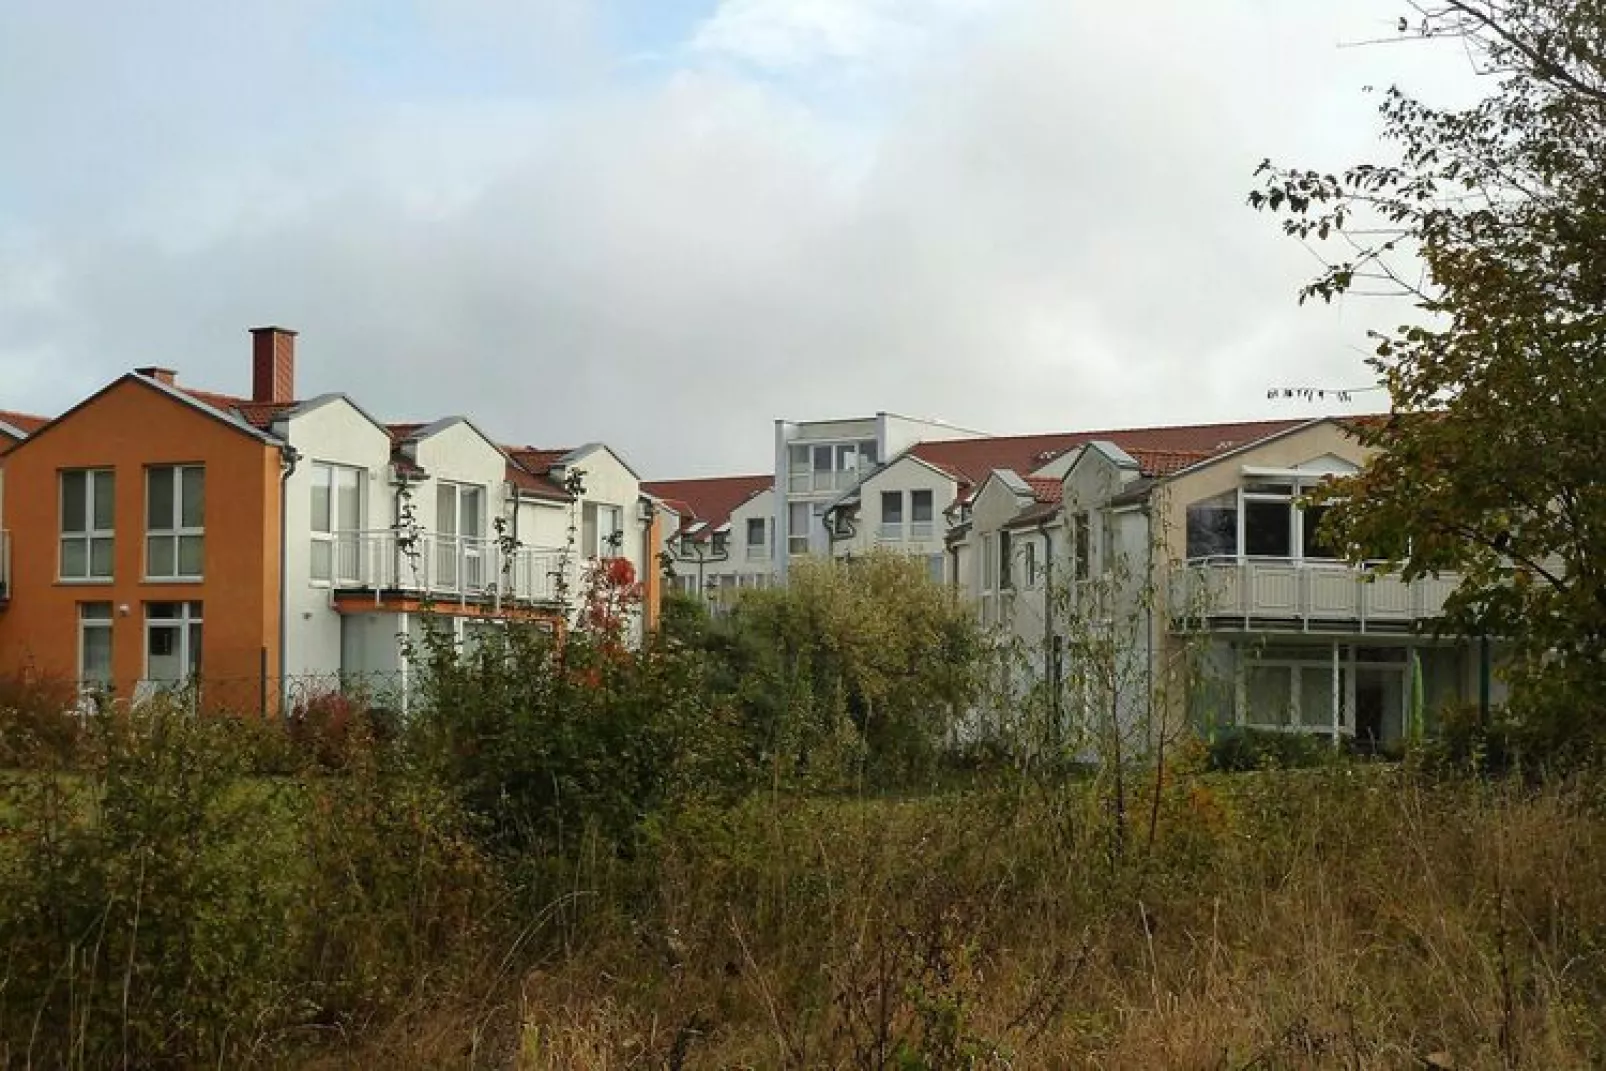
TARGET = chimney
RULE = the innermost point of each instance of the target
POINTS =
(161, 375)
(273, 364)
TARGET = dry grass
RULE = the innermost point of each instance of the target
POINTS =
(1356, 918)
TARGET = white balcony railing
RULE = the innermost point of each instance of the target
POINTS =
(452, 568)
(890, 532)
(5, 565)
(758, 552)
(1313, 594)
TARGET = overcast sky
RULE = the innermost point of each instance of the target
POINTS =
(665, 223)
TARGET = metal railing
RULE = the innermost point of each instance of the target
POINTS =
(1313, 594)
(453, 568)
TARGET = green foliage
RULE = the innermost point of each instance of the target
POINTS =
(1239, 749)
(1489, 463)
(856, 670)
(36, 726)
(145, 901)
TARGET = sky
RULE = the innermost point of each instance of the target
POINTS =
(664, 224)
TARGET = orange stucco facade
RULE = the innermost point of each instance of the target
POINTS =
(129, 427)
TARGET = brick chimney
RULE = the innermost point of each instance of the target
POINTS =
(273, 364)
(161, 375)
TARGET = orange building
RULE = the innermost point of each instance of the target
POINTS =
(143, 526)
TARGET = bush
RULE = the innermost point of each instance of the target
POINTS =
(39, 721)
(1239, 749)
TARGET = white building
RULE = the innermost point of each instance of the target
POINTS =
(817, 461)
(385, 525)
(1228, 609)
(722, 541)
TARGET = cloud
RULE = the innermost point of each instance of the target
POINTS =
(1032, 220)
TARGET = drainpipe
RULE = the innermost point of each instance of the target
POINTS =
(288, 459)
(1050, 662)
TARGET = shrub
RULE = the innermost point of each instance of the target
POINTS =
(39, 721)
(1239, 749)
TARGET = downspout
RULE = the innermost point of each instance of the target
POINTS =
(1050, 666)
(1148, 611)
(288, 459)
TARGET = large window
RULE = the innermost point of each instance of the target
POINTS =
(336, 522)
(175, 522)
(95, 644)
(921, 515)
(172, 641)
(602, 530)
(1213, 527)
(814, 467)
(799, 524)
(892, 515)
(88, 512)
(757, 537)
(460, 528)
(1006, 561)
(1081, 537)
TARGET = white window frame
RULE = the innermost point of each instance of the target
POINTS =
(759, 549)
(892, 530)
(187, 623)
(922, 529)
(90, 534)
(458, 553)
(179, 530)
(799, 540)
(599, 542)
(336, 536)
(95, 617)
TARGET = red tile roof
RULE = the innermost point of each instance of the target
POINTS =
(711, 500)
(1045, 489)
(529, 468)
(1165, 462)
(971, 460)
(26, 423)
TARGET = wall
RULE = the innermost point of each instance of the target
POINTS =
(127, 427)
(332, 431)
(905, 475)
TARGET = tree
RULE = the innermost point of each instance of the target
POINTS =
(1489, 463)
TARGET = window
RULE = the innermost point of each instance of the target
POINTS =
(798, 526)
(920, 515)
(336, 521)
(172, 641)
(757, 537)
(1029, 562)
(1268, 528)
(1312, 545)
(1006, 575)
(1107, 552)
(175, 525)
(989, 564)
(1081, 536)
(95, 644)
(88, 509)
(1213, 527)
(892, 515)
(814, 467)
(602, 530)
(460, 536)
(937, 565)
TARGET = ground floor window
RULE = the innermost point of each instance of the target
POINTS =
(172, 641)
(95, 645)
(1362, 691)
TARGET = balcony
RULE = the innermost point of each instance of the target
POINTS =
(443, 569)
(1329, 596)
(5, 568)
